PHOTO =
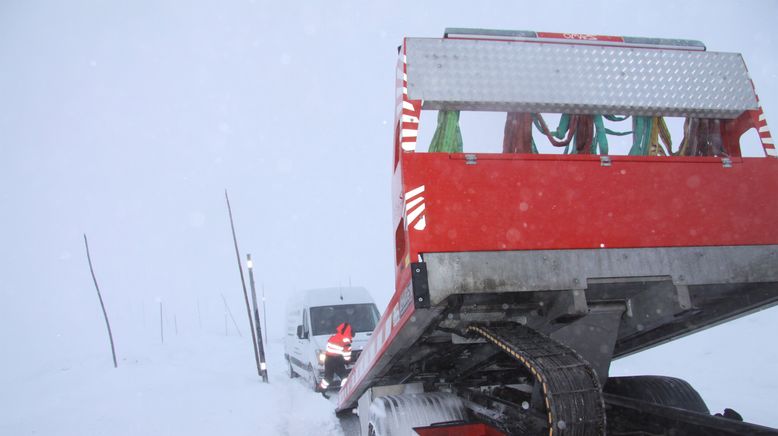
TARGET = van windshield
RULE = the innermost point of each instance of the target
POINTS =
(325, 319)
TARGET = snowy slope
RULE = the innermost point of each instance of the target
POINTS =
(205, 384)
(188, 386)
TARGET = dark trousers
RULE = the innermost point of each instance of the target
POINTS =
(334, 365)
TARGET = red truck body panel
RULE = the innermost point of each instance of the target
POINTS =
(534, 202)
(476, 429)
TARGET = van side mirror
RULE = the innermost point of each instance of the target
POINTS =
(300, 333)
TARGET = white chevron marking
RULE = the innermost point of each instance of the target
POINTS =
(411, 204)
(414, 192)
(415, 213)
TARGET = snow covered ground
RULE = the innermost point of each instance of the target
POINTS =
(204, 385)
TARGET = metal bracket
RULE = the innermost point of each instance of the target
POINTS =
(605, 161)
(470, 159)
(684, 298)
(420, 284)
(567, 305)
(726, 162)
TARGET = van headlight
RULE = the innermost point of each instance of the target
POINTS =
(321, 356)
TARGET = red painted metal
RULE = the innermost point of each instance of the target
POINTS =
(760, 123)
(534, 202)
(390, 324)
(541, 202)
(572, 38)
(475, 429)
(580, 36)
(407, 111)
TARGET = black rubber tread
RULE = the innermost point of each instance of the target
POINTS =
(572, 392)
(665, 391)
(629, 416)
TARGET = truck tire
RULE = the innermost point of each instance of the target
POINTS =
(665, 391)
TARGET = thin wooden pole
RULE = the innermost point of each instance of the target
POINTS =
(102, 305)
(264, 313)
(161, 329)
(257, 324)
(227, 308)
(243, 283)
(199, 317)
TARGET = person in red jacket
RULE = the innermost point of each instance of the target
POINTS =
(337, 354)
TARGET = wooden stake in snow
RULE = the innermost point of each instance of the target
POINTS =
(227, 309)
(264, 313)
(102, 305)
(161, 329)
(199, 318)
(243, 283)
(257, 324)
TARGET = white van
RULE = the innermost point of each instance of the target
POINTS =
(312, 317)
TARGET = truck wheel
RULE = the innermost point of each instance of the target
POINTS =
(292, 374)
(665, 391)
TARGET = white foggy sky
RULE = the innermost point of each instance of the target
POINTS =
(127, 120)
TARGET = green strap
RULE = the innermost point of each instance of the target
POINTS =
(641, 127)
(561, 132)
(600, 141)
(564, 124)
(448, 137)
(617, 133)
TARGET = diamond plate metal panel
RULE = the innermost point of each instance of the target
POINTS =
(539, 77)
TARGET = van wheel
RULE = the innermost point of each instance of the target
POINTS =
(292, 374)
(313, 381)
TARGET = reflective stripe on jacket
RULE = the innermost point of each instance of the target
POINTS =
(339, 344)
